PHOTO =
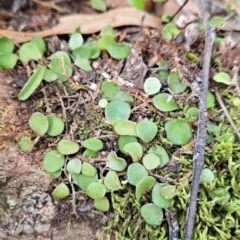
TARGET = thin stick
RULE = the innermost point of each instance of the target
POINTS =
(221, 103)
(198, 156)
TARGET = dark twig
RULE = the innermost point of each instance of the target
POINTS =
(198, 156)
(178, 11)
(173, 225)
(221, 103)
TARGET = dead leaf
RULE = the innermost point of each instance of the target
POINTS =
(89, 24)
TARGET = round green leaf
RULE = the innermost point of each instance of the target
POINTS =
(93, 144)
(175, 84)
(107, 31)
(217, 22)
(146, 130)
(83, 63)
(178, 132)
(61, 191)
(67, 147)
(61, 55)
(74, 166)
(115, 163)
(210, 100)
(139, 4)
(117, 110)
(8, 60)
(38, 123)
(49, 75)
(99, 5)
(144, 185)
(96, 190)
(25, 144)
(39, 43)
(84, 181)
(170, 31)
(207, 176)
(29, 51)
(152, 86)
(6, 45)
(109, 90)
(124, 140)
(168, 192)
(125, 127)
(135, 150)
(53, 161)
(118, 51)
(75, 41)
(135, 173)
(32, 83)
(164, 102)
(192, 113)
(111, 181)
(56, 125)
(158, 199)
(151, 161)
(88, 170)
(56, 174)
(89, 153)
(222, 77)
(104, 41)
(102, 204)
(103, 103)
(160, 152)
(152, 214)
(124, 96)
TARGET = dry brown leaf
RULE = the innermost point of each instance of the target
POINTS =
(89, 24)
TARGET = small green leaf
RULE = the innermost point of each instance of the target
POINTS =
(168, 192)
(61, 55)
(118, 51)
(144, 185)
(210, 100)
(93, 144)
(135, 150)
(217, 22)
(84, 181)
(170, 31)
(192, 114)
(53, 161)
(56, 174)
(139, 4)
(124, 140)
(135, 173)
(207, 176)
(158, 199)
(38, 123)
(222, 77)
(102, 204)
(33, 82)
(152, 86)
(162, 153)
(152, 214)
(56, 125)
(88, 170)
(99, 5)
(25, 144)
(96, 190)
(178, 132)
(75, 41)
(104, 41)
(164, 102)
(109, 90)
(111, 181)
(123, 96)
(67, 147)
(29, 51)
(125, 127)
(61, 191)
(192, 57)
(49, 75)
(107, 31)
(83, 63)
(6, 45)
(174, 83)
(151, 161)
(74, 166)
(89, 153)
(88, 50)
(115, 163)
(8, 60)
(39, 43)
(117, 110)
(146, 130)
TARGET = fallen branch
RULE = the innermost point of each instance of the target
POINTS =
(198, 155)
(89, 23)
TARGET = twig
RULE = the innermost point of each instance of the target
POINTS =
(198, 156)
(221, 103)
(173, 225)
